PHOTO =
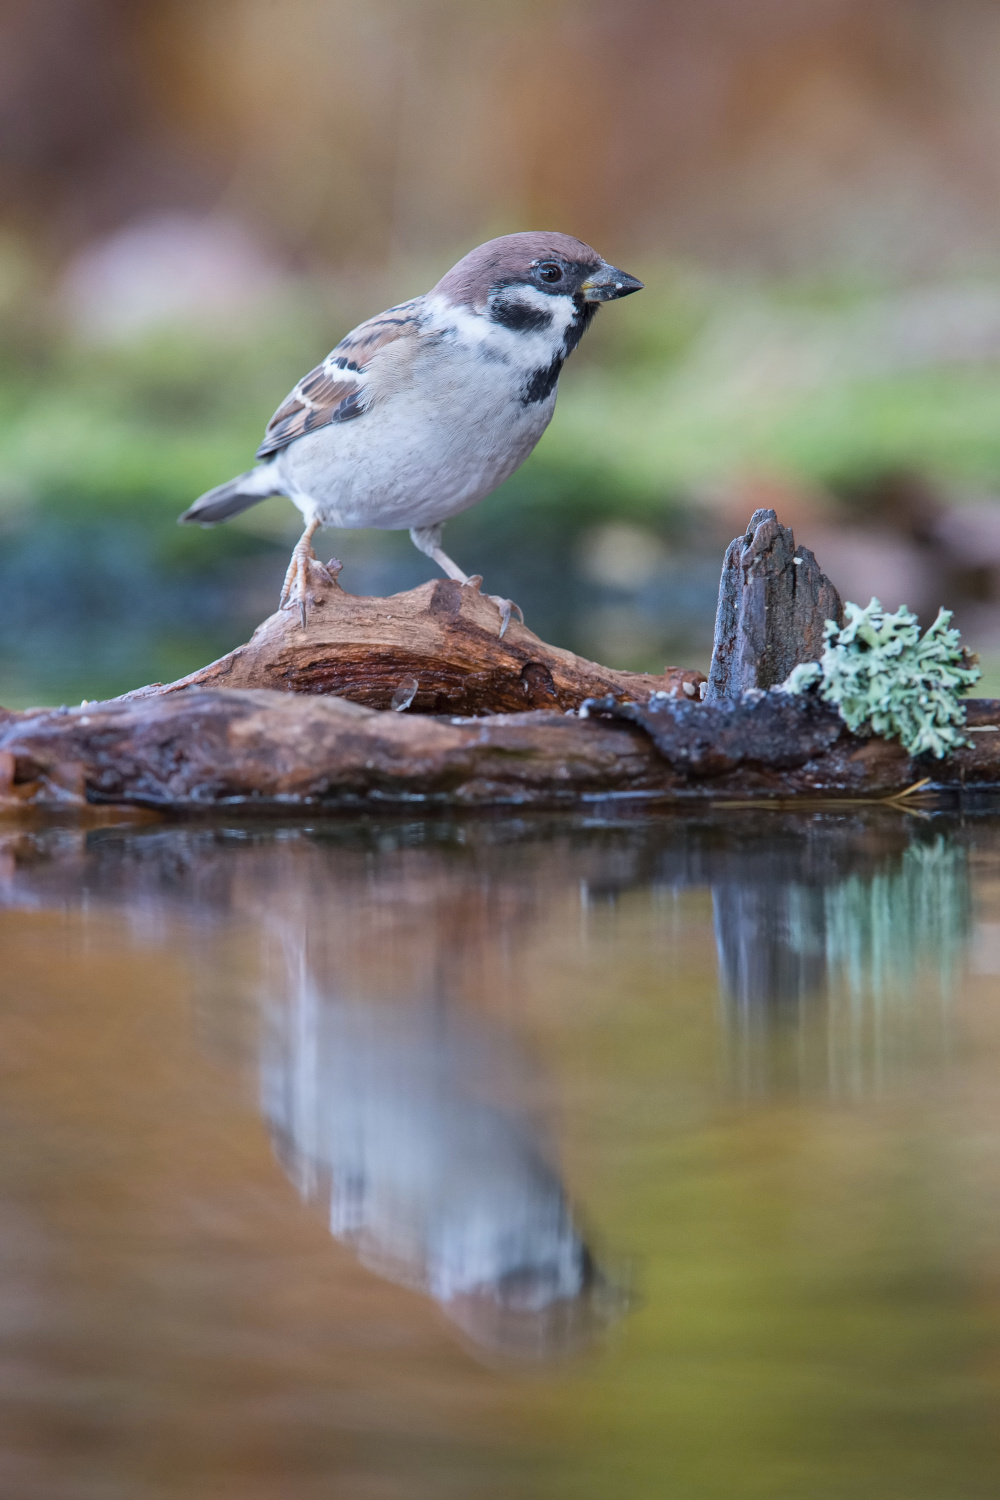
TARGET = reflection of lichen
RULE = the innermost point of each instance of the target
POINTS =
(886, 679)
(882, 930)
(840, 976)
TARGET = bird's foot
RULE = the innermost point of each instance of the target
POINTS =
(506, 606)
(306, 578)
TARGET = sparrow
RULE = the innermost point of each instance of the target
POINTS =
(425, 409)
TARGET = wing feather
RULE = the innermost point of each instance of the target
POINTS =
(336, 390)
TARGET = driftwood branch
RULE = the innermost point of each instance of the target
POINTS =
(433, 650)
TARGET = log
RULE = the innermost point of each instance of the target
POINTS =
(773, 603)
(432, 650)
(210, 749)
(301, 717)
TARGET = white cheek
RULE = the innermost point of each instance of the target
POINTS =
(558, 310)
(519, 350)
(530, 296)
(563, 312)
(457, 323)
(541, 302)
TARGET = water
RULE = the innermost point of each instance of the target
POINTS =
(649, 1155)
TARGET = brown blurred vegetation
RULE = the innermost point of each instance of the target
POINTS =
(780, 134)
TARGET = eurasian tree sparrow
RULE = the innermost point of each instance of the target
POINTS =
(425, 409)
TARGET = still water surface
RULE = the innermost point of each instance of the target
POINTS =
(644, 1156)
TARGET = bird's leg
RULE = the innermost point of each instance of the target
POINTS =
(427, 539)
(297, 578)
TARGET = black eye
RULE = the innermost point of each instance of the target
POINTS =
(550, 271)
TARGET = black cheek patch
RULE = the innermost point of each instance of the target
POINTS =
(542, 382)
(583, 316)
(520, 317)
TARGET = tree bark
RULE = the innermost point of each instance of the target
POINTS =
(433, 650)
(773, 603)
(213, 749)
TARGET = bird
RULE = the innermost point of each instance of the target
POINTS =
(423, 410)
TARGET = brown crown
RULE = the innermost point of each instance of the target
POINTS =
(509, 258)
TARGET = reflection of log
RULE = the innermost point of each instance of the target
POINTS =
(773, 604)
(200, 749)
(431, 650)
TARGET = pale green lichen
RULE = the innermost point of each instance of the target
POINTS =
(887, 679)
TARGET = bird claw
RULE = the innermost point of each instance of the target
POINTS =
(506, 607)
(295, 589)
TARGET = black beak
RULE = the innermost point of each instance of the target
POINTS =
(608, 283)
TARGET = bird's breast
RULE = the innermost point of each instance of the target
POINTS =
(448, 423)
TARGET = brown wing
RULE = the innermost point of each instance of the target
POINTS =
(316, 400)
(357, 347)
(336, 390)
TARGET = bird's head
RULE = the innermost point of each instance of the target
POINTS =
(535, 281)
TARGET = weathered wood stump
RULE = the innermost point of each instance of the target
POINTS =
(773, 603)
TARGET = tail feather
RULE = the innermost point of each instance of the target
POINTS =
(230, 498)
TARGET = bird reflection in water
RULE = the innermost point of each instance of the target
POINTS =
(406, 1125)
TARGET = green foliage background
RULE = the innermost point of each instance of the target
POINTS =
(677, 392)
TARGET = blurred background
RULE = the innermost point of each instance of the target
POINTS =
(198, 200)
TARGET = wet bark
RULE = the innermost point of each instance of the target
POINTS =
(773, 603)
(213, 749)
